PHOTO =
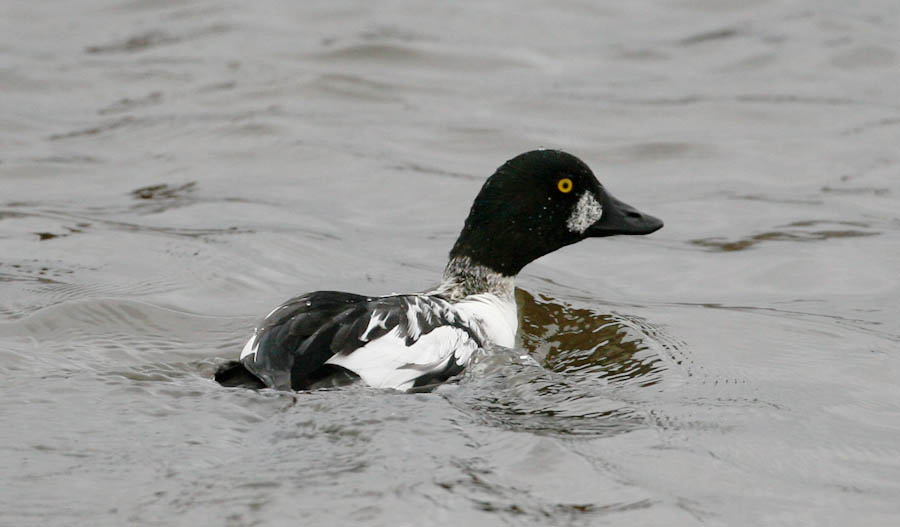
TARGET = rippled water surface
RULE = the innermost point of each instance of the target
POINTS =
(172, 170)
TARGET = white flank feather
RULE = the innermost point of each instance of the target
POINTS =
(387, 362)
(250, 347)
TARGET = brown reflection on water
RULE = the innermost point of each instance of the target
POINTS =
(569, 340)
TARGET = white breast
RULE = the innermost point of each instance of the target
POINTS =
(496, 315)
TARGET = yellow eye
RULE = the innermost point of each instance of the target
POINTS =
(564, 185)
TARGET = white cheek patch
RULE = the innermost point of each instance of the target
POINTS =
(586, 212)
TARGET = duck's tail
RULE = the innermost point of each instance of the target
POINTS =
(233, 373)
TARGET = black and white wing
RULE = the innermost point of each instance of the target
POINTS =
(279, 353)
(396, 342)
(409, 341)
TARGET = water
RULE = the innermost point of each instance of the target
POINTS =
(170, 171)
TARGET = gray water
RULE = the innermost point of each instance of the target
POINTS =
(172, 170)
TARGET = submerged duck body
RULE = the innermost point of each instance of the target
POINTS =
(532, 205)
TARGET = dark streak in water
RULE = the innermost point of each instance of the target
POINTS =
(414, 167)
(750, 98)
(217, 87)
(857, 324)
(140, 42)
(720, 34)
(11, 214)
(86, 221)
(17, 278)
(881, 123)
(777, 311)
(95, 130)
(381, 52)
(409, 56)
(789, 98)
(859, 190)
(164, 191)
(170, 120)
(659, 150)
(65, 159)
(382, 33)
(771, 199)
(123, 105)
(152, 39)
(719, 244)
(357, 87)
(813, 223)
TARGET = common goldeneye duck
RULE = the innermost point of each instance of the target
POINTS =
(533, 205)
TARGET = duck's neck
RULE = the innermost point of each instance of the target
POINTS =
(462, 278)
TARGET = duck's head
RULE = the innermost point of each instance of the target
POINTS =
(536, 203)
